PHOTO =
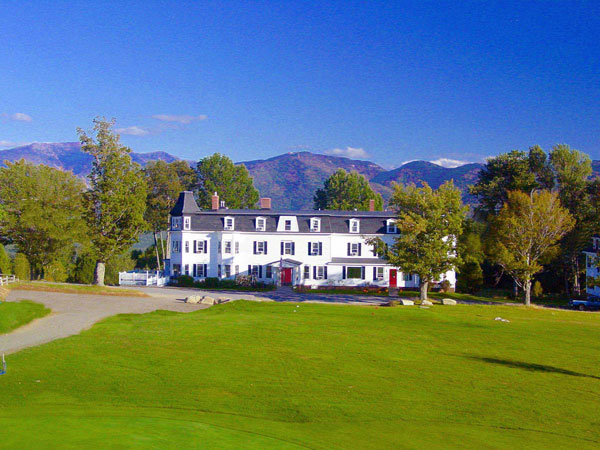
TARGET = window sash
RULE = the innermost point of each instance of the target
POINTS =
(287, 225)
(354, 272)
(260, 224)
(227, 248)
(287, 248)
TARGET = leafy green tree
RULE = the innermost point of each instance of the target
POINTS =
(5, 263)
(165, 181)
(429, 223)
(115, 203)
(83, 270)
(118, 263)
(42, 211)
(217, 173)
(525, 233)
(55, 271)
(347, 191)
(21, 267)
(470, 247)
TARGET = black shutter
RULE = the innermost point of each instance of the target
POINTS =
(349, 249)
(293, 248)
(254, 247)
(195, 242)
(325, 272)
(266, 251)
(205, 270)
(249, 270)
(195, 265)
(282, 247)
(314, 272)
(320, 248)
(259, 271)
(205, 246)
(343, 272)
(359, 246)
(362, 272)
(309, 250)
(374, 273)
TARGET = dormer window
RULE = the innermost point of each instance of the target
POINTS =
(229, 223)
(391, 226)
(187, 223)
(261, 224)
(354, 226)
(287, 225)
(176, 223)
(315, 225)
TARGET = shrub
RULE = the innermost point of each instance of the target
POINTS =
(5, 265)
(83, 272)
(445, 287)
(537, 289)
(185, 281)
(21, 267)
(55, 271)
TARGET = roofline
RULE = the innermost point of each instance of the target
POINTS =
(307, 213)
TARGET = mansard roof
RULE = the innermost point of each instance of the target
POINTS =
(186, 204)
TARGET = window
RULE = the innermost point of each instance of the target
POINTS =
(315, 225)
(176, 223)
(186, 269)
(407, 276)
(227, 248)
(354, 248)
(200, 270)
(315, 248)
(227, 270)
(237, 247)
(306, 272)
(261, 224)
(287, 248)
(287, 225)
(391, 226)
(377, 273)
(254, 271)
(269, 270)
(200, 247)
(320, 273)
(354, 226)
(260, 247)
(354, 272)
(187, 221)
(229, 223)
(176, 246)
(187, 246)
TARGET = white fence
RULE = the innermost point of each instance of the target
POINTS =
(6, 279)
(146, 278)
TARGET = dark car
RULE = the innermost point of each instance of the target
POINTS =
(591, 304)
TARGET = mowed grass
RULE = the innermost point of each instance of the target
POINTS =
(274, 375)
(67, 288)
(16, 314)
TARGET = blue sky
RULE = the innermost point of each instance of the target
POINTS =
(386, 81)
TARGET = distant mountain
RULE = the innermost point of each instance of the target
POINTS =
(68, 156)
(291, 179)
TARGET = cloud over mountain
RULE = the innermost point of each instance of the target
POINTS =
(348, 152)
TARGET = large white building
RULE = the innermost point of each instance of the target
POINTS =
(310, 248)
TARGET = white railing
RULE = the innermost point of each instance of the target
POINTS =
(147, 278)
(6, 279)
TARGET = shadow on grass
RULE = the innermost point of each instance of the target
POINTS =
(531, 366)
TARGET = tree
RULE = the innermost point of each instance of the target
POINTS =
(217, 173)
(470, 278)
(526, 232)
(42, 211)
(116, 200)
(21, 267)
(165, 181)
(5, 263)
(429, 223)
(346, 191)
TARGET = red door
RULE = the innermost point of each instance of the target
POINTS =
(286, 276)
(393, 282)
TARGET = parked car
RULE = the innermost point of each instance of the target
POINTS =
(591, 304)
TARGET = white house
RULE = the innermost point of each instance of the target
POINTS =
(310, 248)
(591, 266)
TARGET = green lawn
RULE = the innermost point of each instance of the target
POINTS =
(274, 375)
(16, 314)
(69, 288)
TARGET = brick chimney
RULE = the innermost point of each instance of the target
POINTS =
(265, 203)
(371, 205)
(215, 202)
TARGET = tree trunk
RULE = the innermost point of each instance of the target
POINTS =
(516, 290)
(424, 286)
(576, 287)
(527, 288)
(99, 273)
(156, 248)
(164, 251)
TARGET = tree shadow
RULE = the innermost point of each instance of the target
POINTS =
(531, 366)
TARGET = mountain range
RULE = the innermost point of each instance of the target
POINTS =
(290, 179)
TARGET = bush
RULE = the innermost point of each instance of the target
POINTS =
(445, 287)
(537, 289)
(185, 281)
(5, 265)
(470, 278)
(83, 272)
(55, 271)
(21, 267)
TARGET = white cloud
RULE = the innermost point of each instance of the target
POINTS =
(19, 117)
(133, 131)
(348, 152)
(8, 144)
(449, 163)
(183, 119)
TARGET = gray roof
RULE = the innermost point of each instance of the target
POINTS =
(376, 261)
(186, 204)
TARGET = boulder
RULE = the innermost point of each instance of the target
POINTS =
(448, 301)
(206, 300)
(406, 302)
(426, 303)
(193, 299)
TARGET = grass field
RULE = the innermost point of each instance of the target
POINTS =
(68, 288)
(275, 375)
(16, 314)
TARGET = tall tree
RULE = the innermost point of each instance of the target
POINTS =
(116, 200)
(165, 181)
(525, 233)
(217, 173)
(470, 248)
(429, 223)
(347, 191)
(42, 213)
